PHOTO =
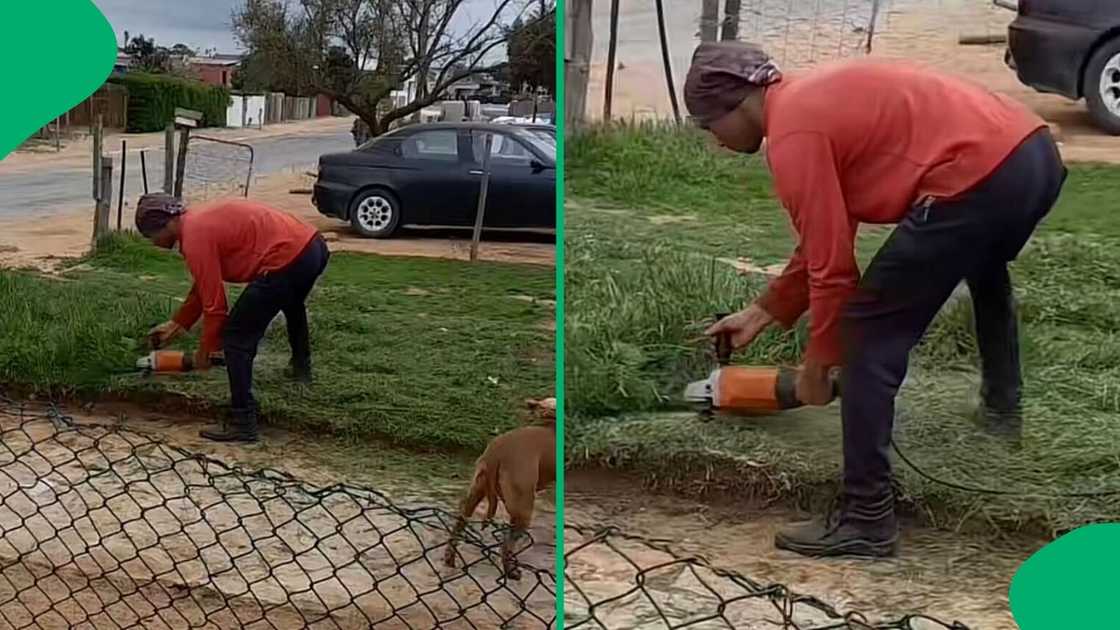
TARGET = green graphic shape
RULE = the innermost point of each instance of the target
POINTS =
(1071, 582)
(58, 52)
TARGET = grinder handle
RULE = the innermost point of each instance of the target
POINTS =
(722, 343)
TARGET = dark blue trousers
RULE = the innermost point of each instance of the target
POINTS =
(284, 291)
(936, 246)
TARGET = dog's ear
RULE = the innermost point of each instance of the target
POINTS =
(544, 408)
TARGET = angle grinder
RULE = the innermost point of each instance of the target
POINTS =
(745, 390)
(172, 362)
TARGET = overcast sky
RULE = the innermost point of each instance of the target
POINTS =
(203, 24)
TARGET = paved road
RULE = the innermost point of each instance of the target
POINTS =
(55, 188)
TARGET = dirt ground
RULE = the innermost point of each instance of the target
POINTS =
(948, 577)
(114, 528)
(43, 242)
(925, 32)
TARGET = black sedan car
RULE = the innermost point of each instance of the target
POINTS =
(431, 174)
(1071, 48)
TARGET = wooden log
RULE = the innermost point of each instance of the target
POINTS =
(983, 40)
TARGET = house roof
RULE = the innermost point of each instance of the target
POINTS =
(216, 60)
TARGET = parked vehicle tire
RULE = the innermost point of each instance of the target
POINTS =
(375, 213)
(1102, 87)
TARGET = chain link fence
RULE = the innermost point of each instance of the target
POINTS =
(797, 33)
(106, 527)
(618, 582)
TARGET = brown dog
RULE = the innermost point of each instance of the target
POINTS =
(512, 469)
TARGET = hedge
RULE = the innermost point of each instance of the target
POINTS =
(152, 100)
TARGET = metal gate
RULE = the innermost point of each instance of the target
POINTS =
(216, 168)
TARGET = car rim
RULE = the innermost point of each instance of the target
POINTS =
(375, 213)
(1110, 85)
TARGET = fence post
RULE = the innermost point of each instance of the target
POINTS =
(731, 20)
(482, 196)
(709, 20)
(105, 202)
(144, 169)
(665, 59)
(578, 41)
(97, 154)
(169, 159)
(124, 166)
(181, 162)
(58, 134)
(612, 47)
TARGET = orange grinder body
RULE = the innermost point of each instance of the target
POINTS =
(169, 361)
(746, 390)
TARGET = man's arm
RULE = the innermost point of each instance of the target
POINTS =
(203, 260)
(190, 311)
(787, 297)
(807, 182)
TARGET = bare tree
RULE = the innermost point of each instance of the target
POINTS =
(359, 51)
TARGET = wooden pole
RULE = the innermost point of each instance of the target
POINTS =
(58, 134)
(105, 202)
(709, 20)
(666, 61)
(871, 24)
(612, 48)
(731, 10)
(144, 169)
(169, 159)
(577, 61)
(482, 196)
(181, 162)
(97, 154)
(124, 165)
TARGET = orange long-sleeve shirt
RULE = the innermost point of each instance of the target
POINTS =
(232, 240)
(863, 142)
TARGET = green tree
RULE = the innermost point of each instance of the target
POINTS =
(359, 51)
(532, 49)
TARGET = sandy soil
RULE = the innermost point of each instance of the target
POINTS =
(134, 531)
(948, 577)
(44, 242)
(924, 32)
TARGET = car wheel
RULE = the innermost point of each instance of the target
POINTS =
(375, 214)
(1102, 87)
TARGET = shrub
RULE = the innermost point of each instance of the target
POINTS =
(152, 100)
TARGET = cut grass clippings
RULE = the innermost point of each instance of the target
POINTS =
(425, 353)
(652, 210)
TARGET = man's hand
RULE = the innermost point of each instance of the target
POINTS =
(743, 326)
(201, 360)
(814, 385)
(165, 333)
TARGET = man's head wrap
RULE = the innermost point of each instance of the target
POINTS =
(721, 77)
(155, 211)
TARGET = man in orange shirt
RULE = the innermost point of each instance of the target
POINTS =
(964, 173)
(237, 240)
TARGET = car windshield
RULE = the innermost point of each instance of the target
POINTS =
(544, 143)
(545, 135)
(368, 144)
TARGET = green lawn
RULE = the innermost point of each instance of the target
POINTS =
(652, 210)
(424, 353)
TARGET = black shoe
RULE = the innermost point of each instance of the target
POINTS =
(1007, 424)
(845, 533)
(241, 427)
(299, 372)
